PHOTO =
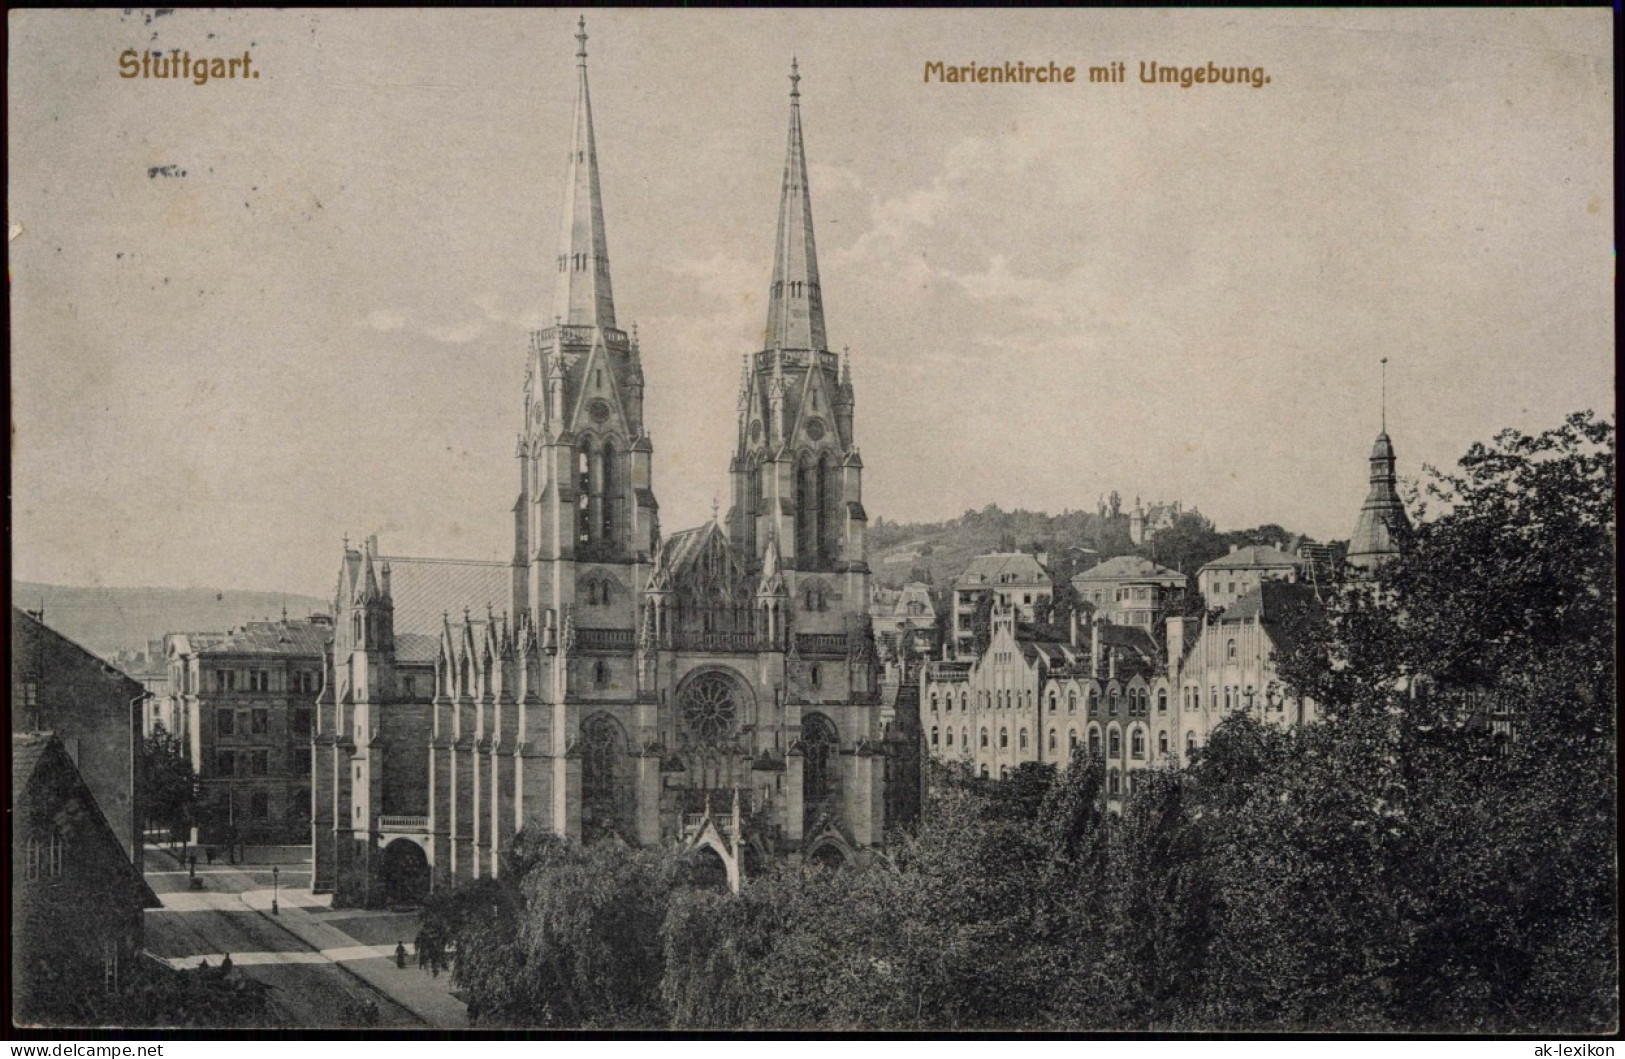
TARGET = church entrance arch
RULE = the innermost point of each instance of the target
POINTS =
(828, 855)
(404, 872)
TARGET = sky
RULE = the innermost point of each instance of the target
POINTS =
(252, 317)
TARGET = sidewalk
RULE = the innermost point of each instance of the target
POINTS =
(424, 996)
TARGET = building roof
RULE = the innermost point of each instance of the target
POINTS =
(25, 621)
(1003, 568)
(1128, 568)
(283, 639)
(1253, 557)
(1281, 608)
(425, 591)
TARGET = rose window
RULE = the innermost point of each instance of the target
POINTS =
(710, 704)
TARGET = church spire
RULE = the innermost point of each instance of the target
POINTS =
(1383, 525)
(795, 308)
(582, 296)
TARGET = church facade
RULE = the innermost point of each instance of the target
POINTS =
(716, 686)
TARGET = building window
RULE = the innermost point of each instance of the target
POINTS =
(933, 702)
(259, 680)
(1004, 772)
(1094, 741)
(1071, 702)
(409, 687)
(225, 763)
(1004, 738)
(1190, 743)
(964, 700)
(1162, 700)
(1137, 744)
(1071, 739)
(1115, 741)
(984, 737)
(950, 735)
(259, 805)
(299, 761)
(225, 680)
(1022, 735)
(1227, 699)
(1052, 738)
(260, 721)
(1114, 784)
(984, 771)
(225, 722)
(1053, 701)
(259, 762)
(812, 674)
(1230, 650)
(600, 674)
(1213, 696)
(301, 722)
(1162, 744)
(933, 735)
(964, 738)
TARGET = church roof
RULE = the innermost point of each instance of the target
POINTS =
(424, 591)
(583, 296)
(795, 309)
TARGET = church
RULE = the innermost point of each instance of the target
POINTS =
(715, 687)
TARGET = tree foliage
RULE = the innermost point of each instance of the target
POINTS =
(169, 794)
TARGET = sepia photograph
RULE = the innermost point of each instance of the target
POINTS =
(927, 522)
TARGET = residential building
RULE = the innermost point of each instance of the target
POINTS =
(1228, 578)
(905, 621)
(1030, 697)
(150, 669)
(1014, 580)
(1146, 521)
(245, 706)
(76, 899)
(717, 686)
(1130, 590)
(94, 710)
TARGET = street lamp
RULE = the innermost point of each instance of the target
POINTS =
(275, 910)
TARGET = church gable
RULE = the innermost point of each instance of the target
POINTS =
(597, 405)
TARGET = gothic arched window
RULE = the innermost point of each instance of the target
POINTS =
(1004, 738)
(600, 674)
(819, 742)
(607, 486)
(1137, 743)
(1114, 741)
(984, 737)
(606, 790)
(1023, 738)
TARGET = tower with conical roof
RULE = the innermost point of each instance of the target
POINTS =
(1383, 525)
(797, 475)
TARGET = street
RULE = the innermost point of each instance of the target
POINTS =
(322, 964)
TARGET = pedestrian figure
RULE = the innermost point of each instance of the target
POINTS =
(191, 865)
(225, 964)
(400, 955)
(208, 852)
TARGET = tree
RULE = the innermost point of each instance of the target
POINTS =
(1470, 691)
(170, 791)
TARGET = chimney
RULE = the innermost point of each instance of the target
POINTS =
(1234, 548)
(1111, 665)
(1176, 644)
(1095, 637)
(1075, 627)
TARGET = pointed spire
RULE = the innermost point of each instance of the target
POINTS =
(795, 308)
(582, 296)
(1385, 395)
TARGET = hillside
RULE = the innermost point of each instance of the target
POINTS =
(900, 551)
(109, 619)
